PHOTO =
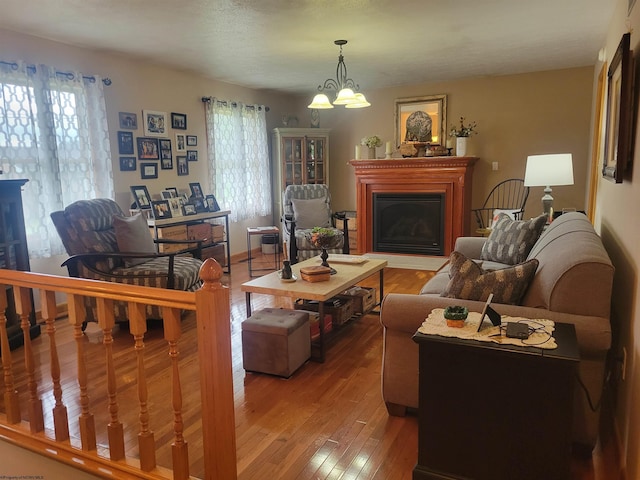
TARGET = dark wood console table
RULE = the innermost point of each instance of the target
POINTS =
(495, 412)
(14, 255)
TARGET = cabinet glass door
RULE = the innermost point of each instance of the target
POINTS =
(293, 172)
(315, 160)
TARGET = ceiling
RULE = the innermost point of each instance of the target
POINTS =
(287, 45)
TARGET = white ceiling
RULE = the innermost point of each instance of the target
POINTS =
(287, 45)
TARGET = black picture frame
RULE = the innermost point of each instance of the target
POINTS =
(189, 209)
(192, 155)
(128, 164)
(164, 144)
(211, 203)
(148, 148)
(196, 190)
(173, 190)
(166, 164)
(128, 120)
(192, 140)
(148, 170)
(161, 209)
(166, 155)
(125, 143)
(618, 154)
(183, 165)
(141, 196)
(178, 121)
(199, 204)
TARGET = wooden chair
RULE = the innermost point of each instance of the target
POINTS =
(509, 196)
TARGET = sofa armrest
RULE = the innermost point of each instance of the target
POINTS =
(470, 247)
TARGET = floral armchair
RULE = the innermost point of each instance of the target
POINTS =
(307, 206)
(105, 245)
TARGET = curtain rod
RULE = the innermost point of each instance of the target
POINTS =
(233, 104)
(69, 75)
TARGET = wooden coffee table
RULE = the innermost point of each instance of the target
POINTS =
(348, 274)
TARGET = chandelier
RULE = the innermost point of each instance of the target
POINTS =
(343, 85)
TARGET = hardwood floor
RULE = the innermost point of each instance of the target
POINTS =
(327, 421)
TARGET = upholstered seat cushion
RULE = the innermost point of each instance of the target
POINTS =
(186, 271)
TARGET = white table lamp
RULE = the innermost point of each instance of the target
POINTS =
(547, 171)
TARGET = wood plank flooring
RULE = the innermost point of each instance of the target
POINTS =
(326, 422)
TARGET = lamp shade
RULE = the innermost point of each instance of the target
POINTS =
(345, 96)
(362, 102)
(549, 170)
(320, 101)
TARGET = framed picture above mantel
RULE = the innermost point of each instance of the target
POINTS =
(421, 120)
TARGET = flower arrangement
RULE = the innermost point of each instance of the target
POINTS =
(372, 141)
(322, 237)
(463, 130)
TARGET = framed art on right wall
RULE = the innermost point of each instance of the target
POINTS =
(617, 140)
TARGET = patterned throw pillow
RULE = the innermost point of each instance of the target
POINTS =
(468, 281)
(510, 241)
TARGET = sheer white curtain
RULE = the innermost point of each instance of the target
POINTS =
(239, 158)
(53, 132)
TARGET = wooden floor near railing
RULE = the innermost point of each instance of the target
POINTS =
(327, 421)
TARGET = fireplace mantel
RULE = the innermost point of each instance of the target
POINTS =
(451, 176)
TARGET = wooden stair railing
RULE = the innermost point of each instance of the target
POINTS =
(211, 305)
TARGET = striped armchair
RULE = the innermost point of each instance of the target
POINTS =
(304, 207)
(88, 232)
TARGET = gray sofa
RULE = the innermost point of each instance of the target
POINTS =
(572, 284)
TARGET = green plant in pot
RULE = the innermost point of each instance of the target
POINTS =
(456, 315)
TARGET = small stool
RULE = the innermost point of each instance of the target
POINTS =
(276, 341)
(272, 230)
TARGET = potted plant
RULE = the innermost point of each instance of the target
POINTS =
(462, 133)
(456, 315)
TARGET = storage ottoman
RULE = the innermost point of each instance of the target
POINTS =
(276, 341)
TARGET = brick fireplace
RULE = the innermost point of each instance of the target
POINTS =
(410, 180)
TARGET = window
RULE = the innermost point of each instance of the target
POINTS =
(239, 158)
(53, 132)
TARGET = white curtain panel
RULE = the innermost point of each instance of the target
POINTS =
(53, 132)
(239, 158)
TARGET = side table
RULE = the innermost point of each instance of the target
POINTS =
(495, 412)
(271, 230)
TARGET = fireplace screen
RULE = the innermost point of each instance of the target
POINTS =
(408, 223)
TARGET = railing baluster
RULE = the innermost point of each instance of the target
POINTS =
(106, 320)
(11, 400)
(60, 418)
(146, 441)
(77, 316)
(179, 448)
(22, 296)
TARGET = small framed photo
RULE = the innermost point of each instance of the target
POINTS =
(175, 206)
(184, 199)
(148, 170)
(183, 166)
(196, 190)
(155, 123)
(192, 155)
(165, 143)
(211, 203)
(178, 121)
(167, 194)
(199, 204)
(165, 155)
(166, 164)
(128, 164)
(125, 143)
(181, 142)
(148, 148)
(192, 141)
(128, 120)
(189, 209)
(161, 209)
(173, 190)
(141, 194)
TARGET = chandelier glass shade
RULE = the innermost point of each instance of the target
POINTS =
(345, 87)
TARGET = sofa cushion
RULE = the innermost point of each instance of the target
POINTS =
(511, 240)
(132, 235)
(468, 281)
(309, 213)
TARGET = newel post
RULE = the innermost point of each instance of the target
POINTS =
(216, 375)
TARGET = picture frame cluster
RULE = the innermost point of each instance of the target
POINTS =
(172, 203)
(154, 149)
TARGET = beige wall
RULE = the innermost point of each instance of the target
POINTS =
(617, 216)
(517, 115)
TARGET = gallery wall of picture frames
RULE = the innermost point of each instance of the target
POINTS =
(155, 143)
(171, 203)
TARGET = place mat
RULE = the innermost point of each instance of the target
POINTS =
(542, 337)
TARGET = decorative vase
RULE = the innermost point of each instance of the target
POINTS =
(461, 146)
(325, 241)
(372, 152)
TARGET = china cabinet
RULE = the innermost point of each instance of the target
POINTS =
(300, 155)
(14, 254)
